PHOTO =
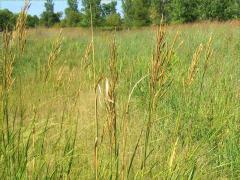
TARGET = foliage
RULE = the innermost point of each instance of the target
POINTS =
(32, 21)
(7, 19)
(110, 15)
(109, 8)
(219, 9)
(157, 10)
(92, 11)
(113, 20)
(183, 11)
(72, 15)
(136, 12)
(127, 6)
(49, 17)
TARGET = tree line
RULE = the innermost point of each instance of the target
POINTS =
(135, 13)
(145, 12)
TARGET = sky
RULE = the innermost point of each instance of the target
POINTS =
(37, 6)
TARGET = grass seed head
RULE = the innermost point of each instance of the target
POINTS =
(194, 65)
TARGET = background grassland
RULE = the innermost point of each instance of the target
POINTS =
(195, 129)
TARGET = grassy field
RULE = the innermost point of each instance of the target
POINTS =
(140, 104)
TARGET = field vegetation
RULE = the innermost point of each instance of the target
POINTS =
(152, 103)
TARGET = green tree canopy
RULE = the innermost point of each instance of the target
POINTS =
(49, 17)
(110, 15)
(32, 21)
(7, 19)
(127, 6)
(136, 12)
(73, 16)
(157, 10)
(182, 11)
(219, 9)
(94, 7)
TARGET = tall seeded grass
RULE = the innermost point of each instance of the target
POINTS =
(155, 103)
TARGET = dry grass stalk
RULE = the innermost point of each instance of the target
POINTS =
(110, 97)
(85, 59)
(170, 51)
(111, 91)
(160, 68)
(54, 54)
(96, 98)
(20, 34)
(173, 155)
(208, 55)
(11, 42)
(8, 58)
(59, 77)
(194, 66)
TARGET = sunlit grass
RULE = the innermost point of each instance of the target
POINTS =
(194, 129)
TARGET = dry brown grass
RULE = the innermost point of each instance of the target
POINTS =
(160, 79)
(194, 66)
(110, 96)
(54, 54)
(20, 32)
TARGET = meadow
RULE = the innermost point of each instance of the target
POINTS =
(150, 103)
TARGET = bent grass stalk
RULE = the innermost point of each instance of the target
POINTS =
(125, 128)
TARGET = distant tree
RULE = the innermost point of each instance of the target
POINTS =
(110, 15)
(109, 8)
(234, 9)
(7, 19)
(182, 11)
(49, 17)
(141, 12)
(93, 6)
(127, 6)
(73, 5)
(136, 12)
(32, 21)
(219, 9)
(114, 20)
(157, 10)
(73, 16)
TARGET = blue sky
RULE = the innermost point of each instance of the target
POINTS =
(37, 6)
